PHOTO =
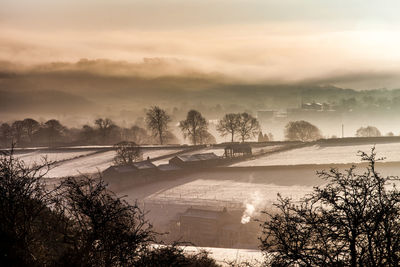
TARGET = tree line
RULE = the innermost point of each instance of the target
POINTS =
(156, 130)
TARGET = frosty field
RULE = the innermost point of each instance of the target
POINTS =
(317, 154)
(82, 160)
(39, 156)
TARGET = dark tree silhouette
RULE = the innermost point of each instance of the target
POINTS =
(228, 125)
(18, 131)
(23, 206)
(127, 153)
(194, 127)
(104, 126)
(369, 131)
(353, 220)
(301, 131)
(6, 135)
(30, 127)
(248, 126)
(157, 121)
(109, 231)
(54, 130)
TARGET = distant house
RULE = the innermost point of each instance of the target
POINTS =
(235, 150)
(142, 168)
(195, 160)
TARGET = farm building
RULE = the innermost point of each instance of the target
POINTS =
(235, 150)
(142, 168)
(195, 160)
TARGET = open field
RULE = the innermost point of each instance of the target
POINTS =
(51, 156)
(320, 154)
(99, 162)
(225, 255)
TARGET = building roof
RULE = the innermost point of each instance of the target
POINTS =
(146, 164)
(142, 165)
(197, 157)
(168, 167)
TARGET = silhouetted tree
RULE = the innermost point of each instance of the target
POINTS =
(174, 255)
(88, 134)
(6, 135)
(18, 131)
(229, 125)
(54, 130)
(194, 126)
(30, 127)
(262, 138)
(369, 131)
(301, 131)
(109, 231)
(157, 121)
(248, 126)
(104, 126)
(353, 220)
(127, 153)
(24, 202)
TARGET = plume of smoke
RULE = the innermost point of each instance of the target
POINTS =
(253, 205)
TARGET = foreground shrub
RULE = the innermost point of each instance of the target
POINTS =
(353, 220)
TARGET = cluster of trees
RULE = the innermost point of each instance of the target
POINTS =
(369, 131)
(302, 131)
(243, 125)
(78, 223)
(29, 132)
(353, 220)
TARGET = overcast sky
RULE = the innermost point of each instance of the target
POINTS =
(347, 43)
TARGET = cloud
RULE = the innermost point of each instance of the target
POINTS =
(273, 53)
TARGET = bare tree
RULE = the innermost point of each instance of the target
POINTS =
(194, 127)
(105, 126)
(18, 131)
(248, 126)
(302, 131)
(127, 153)
(108, 230)
(6, 135)
(30, 127)
(157, 121)
(229, 125)
(353, 220)
(54, 130)
(24, 201)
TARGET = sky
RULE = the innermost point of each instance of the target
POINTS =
(352, 43)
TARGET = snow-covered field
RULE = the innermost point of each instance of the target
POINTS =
(210, 192)
(98, 162)
(39, 156)
(225, 255)
(324, 155)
